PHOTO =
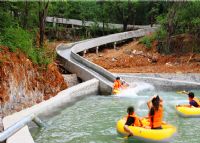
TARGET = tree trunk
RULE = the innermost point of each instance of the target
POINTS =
(170, 26)
(129, 15)
(151, 20)
(103, 27)
(25, 18)
(42, 18)
(125, 23)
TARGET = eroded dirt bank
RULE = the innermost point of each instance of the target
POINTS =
(23, 84)
(136, 58)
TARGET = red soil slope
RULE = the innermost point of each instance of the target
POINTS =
(134, 58)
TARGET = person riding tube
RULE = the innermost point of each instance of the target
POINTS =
(117, 85)
(193, 101)
(155, 105)
(131, 120)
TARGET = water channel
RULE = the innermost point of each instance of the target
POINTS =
(93, 119)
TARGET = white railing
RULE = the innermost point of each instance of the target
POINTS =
(19, 125)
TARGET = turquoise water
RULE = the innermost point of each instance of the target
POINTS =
(93, 120)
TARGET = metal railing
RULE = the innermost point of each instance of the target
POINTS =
(19, 125)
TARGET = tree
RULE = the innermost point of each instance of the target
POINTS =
(43, 9)
(153, 12)
(171, 23)
(124, 12)
(6, 20)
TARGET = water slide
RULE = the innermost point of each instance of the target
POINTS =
(74, 63)
(76, 22)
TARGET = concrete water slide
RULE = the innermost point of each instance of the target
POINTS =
(76, 22)
(74, 63)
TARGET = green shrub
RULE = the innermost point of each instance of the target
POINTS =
(39, 56)
(160, 34)
(17, 38)
(42, 57)
(147, 40)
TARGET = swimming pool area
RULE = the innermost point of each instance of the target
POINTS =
(93, 119)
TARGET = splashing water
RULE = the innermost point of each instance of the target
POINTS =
(135, 88)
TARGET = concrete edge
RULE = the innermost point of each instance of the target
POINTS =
(101, 41)
(63, 51)
(165, 81)
(90, 87)
(94, 66)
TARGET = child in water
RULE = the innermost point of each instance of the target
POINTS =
(193, 101)
(131, 120)
(155, 105)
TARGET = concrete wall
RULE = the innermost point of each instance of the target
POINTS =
(90, 87)
(166, 81)
(110, 39)
(85, 74)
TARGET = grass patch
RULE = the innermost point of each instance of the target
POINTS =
(18, 38)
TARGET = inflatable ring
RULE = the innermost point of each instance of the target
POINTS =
(188, 111)
(155, 135)
(116, 91)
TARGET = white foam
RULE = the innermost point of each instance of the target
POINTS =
(134, 89)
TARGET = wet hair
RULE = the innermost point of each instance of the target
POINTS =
(191, 95)
(156, 103)
(130, 110)
(117, 78)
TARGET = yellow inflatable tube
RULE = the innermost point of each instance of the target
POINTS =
(188, 111)
(116, 91)
(156, 135)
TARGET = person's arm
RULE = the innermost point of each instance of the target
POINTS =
(140, 122)
(128, 123)
(185, 92)
(149, 103)
(161, 101)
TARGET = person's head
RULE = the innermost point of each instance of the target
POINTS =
(156, 102)
(117, 78)
(130, 110)
(190, 95)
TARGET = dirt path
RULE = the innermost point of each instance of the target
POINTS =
(135, 58)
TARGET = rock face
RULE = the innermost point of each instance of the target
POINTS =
(23, 84)
(71, 79)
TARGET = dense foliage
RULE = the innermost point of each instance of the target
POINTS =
(182, 17)
(22, 22)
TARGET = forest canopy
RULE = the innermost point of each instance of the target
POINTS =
(22, 23)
